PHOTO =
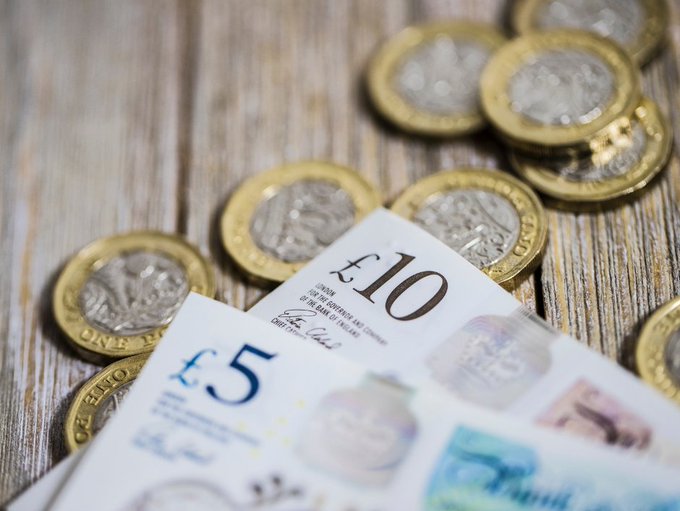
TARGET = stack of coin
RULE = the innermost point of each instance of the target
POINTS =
(114, 300)
(616, 171)
(565, 96)
(569, 105)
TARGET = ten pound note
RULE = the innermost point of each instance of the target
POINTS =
(232, 414)
(401, 303)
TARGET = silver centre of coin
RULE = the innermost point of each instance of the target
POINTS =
(481, 226)
(441, 77)
(620, 20)
(672, 356)
(607, 165)
(302, 219)
(133, 293)
(110, 406)
(562, 88)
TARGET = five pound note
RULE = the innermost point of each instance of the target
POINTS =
(232, 414)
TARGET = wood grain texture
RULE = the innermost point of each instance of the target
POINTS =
(605, 273)
(89, 108)
(128, 115)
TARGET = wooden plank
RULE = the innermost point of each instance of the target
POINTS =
(605, 273)
(89, 146)
(10, 107)
(288, 86)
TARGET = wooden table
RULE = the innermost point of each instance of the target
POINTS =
(134, 115)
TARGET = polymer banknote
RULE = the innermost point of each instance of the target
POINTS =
(230, 413)
(396, 300)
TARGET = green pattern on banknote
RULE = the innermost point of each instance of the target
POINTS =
(481, 471)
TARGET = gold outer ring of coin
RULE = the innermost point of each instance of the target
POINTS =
(650, 353)
(393, 106)
(642, 49)
(574, 194)
(95, 344)
(527, 252)
(78, 428)
(237, 216)
(520, 131)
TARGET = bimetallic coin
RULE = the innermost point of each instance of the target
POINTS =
(426, 79)
(277, 221)
(637, 25)
(488, 217)
(658, 350)
(623, 166)
(99, 399)
(115, 298)
(559, 90)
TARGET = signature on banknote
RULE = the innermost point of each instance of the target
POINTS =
(299, 319)
(159, 439)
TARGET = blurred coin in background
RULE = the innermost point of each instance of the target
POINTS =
(637, 25)
(425, 80)
(559, 90)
